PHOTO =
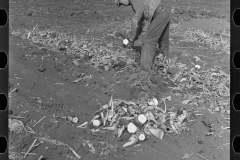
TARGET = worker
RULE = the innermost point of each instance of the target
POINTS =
(155, 18)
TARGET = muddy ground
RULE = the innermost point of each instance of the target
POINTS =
(42, 85)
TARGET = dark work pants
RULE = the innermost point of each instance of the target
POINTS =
(157, 33)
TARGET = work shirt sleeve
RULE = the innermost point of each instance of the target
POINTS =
(136, 23)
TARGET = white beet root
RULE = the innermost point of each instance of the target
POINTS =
(75, 120)
(96, 122)
(131, 128)
(141, 136)
(142, 118)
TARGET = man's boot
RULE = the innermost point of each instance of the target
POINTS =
(164, 49)
(147, 56)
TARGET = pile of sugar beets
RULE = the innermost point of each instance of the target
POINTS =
(139, 119)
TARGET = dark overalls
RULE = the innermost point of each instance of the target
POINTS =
(157, 33)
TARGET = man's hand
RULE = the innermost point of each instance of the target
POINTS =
(138, 41)
(130, 43)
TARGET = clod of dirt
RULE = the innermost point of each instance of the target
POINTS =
(62, 49)
(172, 71)
(119, 65)
(178, 11)
(30, 13)
(41, 68)
(58, 67)
(23, 57)
(200, 142)
(77, 146)
(208, 120)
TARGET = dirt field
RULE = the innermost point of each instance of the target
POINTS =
(59, 67)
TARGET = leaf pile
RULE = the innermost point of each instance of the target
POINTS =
(118, 114)
(197, 35)
(98, 53)
(210, 86)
